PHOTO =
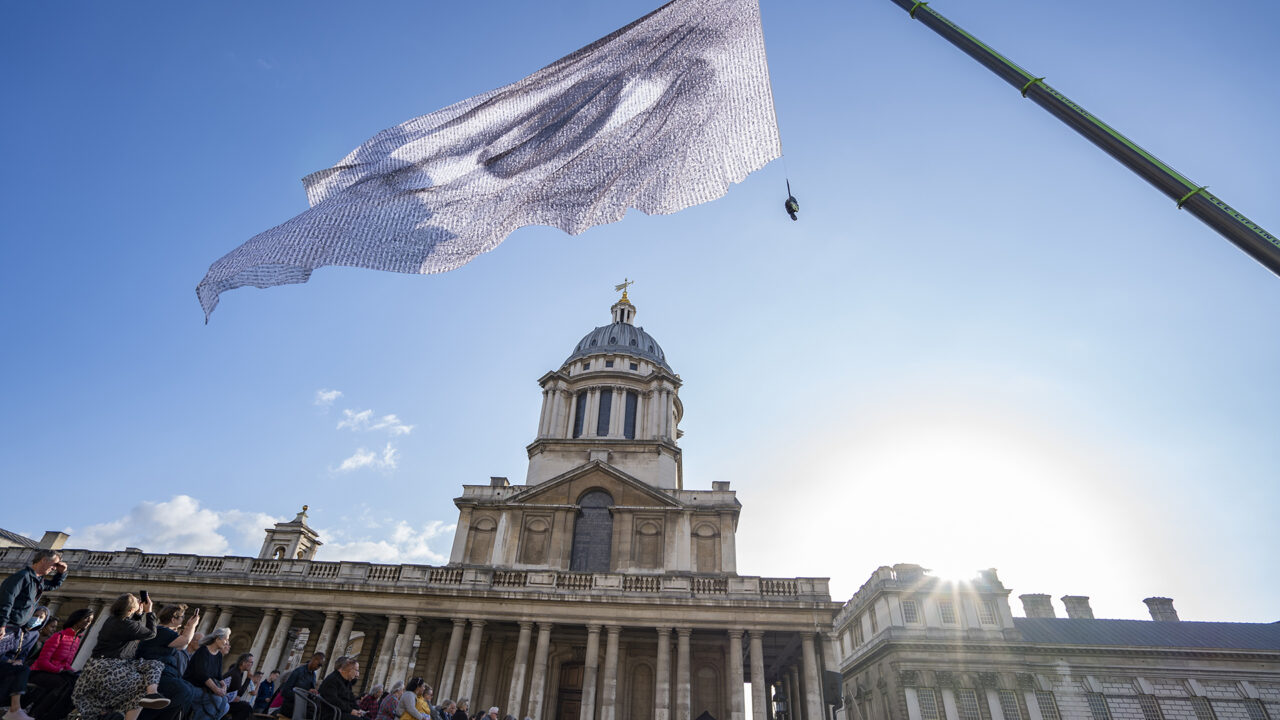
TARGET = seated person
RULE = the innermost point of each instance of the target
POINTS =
(336, 688)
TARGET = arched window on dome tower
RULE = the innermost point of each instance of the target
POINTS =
(593, 533)
(580, 410)
(606, 405)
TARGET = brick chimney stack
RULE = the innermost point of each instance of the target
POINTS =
(1037, 606)
(1161, 609)
(1078, 607)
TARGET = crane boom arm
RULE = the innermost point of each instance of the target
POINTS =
(1195, 199)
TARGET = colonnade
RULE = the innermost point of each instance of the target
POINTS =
(447, 653)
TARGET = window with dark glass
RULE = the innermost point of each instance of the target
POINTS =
(578, 413)
(608, 363)
(602, 421)
(629, 422)
(592, 533)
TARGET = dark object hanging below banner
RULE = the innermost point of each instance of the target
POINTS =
(792, 205)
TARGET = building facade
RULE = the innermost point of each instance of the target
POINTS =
(604, 589)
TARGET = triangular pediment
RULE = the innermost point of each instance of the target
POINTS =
(564, 488)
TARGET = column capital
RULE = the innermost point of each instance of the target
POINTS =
(226, 609)
(664, 631)
(477, 623)
(735, 633)
(546, 626)
(613, 629)
(412, 620)
(526, 624)
(331, 614)
(808, 635)
(459, 622)
(271, 612)
(684, 631)
(395, 618)
(594, 629)
(287, 613)
(755, 634)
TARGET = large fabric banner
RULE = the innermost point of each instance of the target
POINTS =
(660, 115)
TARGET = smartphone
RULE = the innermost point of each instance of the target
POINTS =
(143, 596)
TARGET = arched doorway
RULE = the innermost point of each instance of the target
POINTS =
(593, 533)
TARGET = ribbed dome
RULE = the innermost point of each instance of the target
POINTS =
(622, 339)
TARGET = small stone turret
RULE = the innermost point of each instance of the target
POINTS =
(1036, 605)
(293, 540)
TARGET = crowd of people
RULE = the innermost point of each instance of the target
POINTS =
(154, 665)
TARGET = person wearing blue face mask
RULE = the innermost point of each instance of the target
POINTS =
(15, 657)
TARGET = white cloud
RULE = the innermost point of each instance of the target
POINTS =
(367, 458)
(179, 525)
(405, 544)
(365, 421)
(325, 398)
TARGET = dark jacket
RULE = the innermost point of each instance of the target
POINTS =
(116, 633)
(336, 691)
(266, 691)
(300, 678)
(204, 665)
(19, 594)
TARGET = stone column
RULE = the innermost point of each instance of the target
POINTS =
(451, 660)
(538, 681)
(224, 617)
(279, 639)
(487, 675)
(662, 677)
(261, 637)
(382, 666)
(404, 649)
(340, 640)
(683, 698)
(590, 673)
(734, 665)
(516, 696)
(90, 639)
(795, 703)
(326, 634)
(466, 685)
(609, 685)
(206, 622)
(812, 683)
(759, 691)
(52, 604)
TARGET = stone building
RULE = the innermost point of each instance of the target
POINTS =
(603, 588)
(914, 647)
(600, 588)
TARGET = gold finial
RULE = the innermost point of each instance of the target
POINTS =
(304, 508)
(623, 287)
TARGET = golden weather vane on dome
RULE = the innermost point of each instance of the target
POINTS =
(624, 285)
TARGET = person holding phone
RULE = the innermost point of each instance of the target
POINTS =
(115, 680)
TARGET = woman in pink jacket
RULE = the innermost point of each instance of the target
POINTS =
(52, 673)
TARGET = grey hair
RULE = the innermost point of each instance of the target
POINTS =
(44, 554)
(376, 689)
(464, 701)
(398, 686)
(344, 662)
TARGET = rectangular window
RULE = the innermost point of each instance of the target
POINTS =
(602, 422)
(1256, 710)
(987, 612)
(1048, 705)
(634, 366)
(857, 633)
(1009, 705)
(629, 420)
(608, 363)
(1150, 708)
(586, 366)
(875, 624)
(967, 704)
(947, 611)
(1098, 706)
(1204, 711)
(910, 611)
(928, 703)
(579, 411)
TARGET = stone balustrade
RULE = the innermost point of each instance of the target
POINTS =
(86, 563)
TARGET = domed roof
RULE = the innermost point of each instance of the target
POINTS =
(621, 338)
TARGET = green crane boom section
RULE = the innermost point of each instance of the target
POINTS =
(1195, 199)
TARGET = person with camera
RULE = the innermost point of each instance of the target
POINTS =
(115, 680)
(20, 592)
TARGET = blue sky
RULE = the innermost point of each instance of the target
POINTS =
(984, 344)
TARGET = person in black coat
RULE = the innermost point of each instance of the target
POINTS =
(114, 680)
(302, 677)
(336, 689)
(239, 682)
